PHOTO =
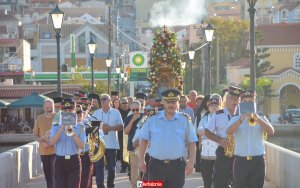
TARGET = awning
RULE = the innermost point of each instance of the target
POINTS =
(33, 100)
(3, 104)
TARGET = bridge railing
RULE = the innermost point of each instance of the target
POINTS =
(19, 165)
(282, 166)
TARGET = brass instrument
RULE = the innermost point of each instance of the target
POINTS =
(252, 120)
(69, 130)
(96, 153)
(228, 151)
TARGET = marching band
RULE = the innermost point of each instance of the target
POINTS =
(80, 136)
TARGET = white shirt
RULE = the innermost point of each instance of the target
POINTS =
(112, 117)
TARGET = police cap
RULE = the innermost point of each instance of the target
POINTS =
(171, 95)
(235, 91)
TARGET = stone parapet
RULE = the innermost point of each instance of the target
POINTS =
(19, 165)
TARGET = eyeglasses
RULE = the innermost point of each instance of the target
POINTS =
(124, 103)
(135, 110)
(104, 99)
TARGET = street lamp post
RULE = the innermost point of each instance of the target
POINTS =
(183, 64)
(108, 62)
(118, 70)
(251, 11)
(125, 81)
(57, 18)
(191, 56)
(92, 48)
(209, 33)
(122, 74)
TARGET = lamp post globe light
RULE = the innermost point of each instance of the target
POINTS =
(57, 17)
(251, 11)
(191, 56)
(209, 33)
(108, 62)
(118, 70)
(122, 74)
(92, 48)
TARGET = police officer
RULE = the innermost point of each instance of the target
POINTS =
(216, 131)
(84, 121)
(208, 147)
(168, 133)
(249, 150)
(67, 162)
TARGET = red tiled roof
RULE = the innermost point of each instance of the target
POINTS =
(16, 93)
(279, 34)
(20, 73)
(241, 63)
(281, 71)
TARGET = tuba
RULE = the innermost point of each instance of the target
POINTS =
(228, 151)
(251, 121)
(97, 148)
(69, 130)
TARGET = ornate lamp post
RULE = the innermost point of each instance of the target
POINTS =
(92, 48)
(251, 11)
(57, 18)
(108, 62)
(122, 74)
(183, 64)
(118, 70)
(191, 56)
(209, 33)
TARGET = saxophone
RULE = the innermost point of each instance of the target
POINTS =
(230, 148)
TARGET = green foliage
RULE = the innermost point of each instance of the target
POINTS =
(85, 85)
(262, 85)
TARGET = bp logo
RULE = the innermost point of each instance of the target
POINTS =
(138, 60)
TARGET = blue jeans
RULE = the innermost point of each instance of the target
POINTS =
(110, 155)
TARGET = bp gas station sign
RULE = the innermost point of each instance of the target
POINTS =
(138, 66)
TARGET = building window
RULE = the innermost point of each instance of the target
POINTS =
(47, 35)
(92, 36)
(297, 61)
(284, 14)
(81, 43)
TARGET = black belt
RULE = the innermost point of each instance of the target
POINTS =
(167, 161)
(64, 157)
(249, 158)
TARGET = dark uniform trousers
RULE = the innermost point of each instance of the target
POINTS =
(222, 177)
(111, 159)
(47, 161)
(87, 171)
(207, 169)
(172, 173)
(249, 173)
(67, 171)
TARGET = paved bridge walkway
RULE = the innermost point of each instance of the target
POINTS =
(121, 181)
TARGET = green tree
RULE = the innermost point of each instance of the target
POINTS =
(85, 84)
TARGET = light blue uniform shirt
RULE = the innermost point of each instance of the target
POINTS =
(188, 111)
(112, 118)
(203, 124)
(66, 144)
(218, 123)
(167, 138)
(85, 124)
(248, 140)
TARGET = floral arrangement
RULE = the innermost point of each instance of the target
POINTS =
(165, 62)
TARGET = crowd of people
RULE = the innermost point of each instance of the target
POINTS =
(154, 139)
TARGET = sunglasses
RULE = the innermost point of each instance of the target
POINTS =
(104, 99)
(135, 110)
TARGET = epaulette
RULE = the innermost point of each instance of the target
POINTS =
(187, 116)
(206, 113)
(220, 112)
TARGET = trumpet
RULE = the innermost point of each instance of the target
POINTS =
(252, 120)
(69, 130)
